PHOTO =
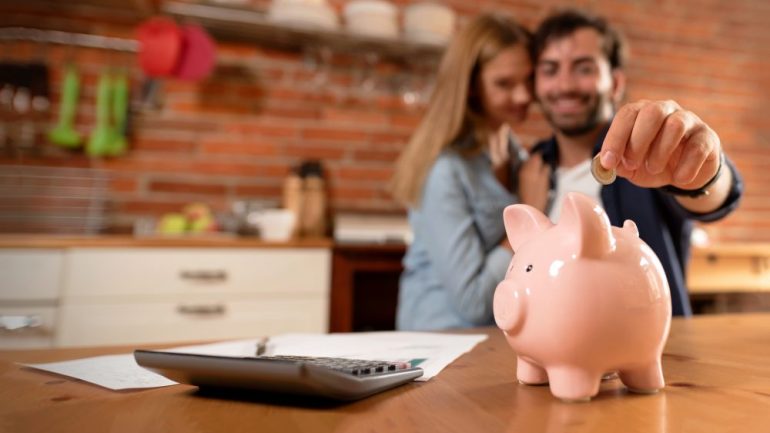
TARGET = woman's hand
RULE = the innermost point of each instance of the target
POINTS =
(534, 182)
(498, 146)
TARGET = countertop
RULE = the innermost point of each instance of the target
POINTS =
(192, 241)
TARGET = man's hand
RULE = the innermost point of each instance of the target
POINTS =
(657, 143)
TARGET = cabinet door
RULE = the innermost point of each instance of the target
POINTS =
(158, 272)
(30, 282)
(27, 326)
(30, 274)
(195, 318)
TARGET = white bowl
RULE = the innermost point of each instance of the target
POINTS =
(274, 224)
(371, 18)
(429, 22)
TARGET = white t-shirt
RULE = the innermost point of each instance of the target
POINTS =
(574, 179)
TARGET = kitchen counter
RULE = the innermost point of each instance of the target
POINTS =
(730, 268)
(60, 291)
(192, 241)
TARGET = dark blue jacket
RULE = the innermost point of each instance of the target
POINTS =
(663, 223)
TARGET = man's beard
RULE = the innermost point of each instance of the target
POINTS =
(593, 118)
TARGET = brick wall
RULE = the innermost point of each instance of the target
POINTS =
(237, 134)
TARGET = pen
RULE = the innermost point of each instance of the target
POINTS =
(261, 346)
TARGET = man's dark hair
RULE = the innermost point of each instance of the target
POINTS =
(566, 22)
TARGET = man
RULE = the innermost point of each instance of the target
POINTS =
(670, 165)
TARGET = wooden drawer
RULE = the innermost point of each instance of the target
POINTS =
(106, 272)
(722, 273)
(30, 274)
(195, 318)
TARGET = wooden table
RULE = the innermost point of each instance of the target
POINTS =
(717, 369)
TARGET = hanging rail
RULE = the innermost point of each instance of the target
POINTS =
(66, 38)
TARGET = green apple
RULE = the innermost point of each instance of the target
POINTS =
(172, 224)
(202, 224)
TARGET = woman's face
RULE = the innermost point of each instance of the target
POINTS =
(504, 86)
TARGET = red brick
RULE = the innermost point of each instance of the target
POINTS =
(144, 165)
(187, 187)
(356, 117)
(258, 191)
(389, 138)
(236, 50)
(123, 184)
(314, 151)
(363, 173)
(237, 146)
(334, 134)
(288, 112)
(150, 207)
(155, 122)
(141, 142)
(406, 121)
(259, 129)
(251, 170)
(376, 155)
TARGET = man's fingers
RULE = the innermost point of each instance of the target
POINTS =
(698, 151)
(614, 146)
(673, 131)
(651, 118)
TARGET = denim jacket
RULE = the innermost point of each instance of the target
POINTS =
(455, 261)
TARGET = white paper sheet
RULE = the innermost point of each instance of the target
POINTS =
(111, 371)
(432, 352)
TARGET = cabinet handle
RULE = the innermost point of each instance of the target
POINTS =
(202, 310)
(204, 276)
(22, 323)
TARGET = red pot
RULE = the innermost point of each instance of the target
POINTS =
(161, 42)
(198, 54)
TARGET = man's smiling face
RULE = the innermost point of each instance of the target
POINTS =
(575, 84)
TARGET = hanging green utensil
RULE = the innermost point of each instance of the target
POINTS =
(64, 134)
(119, 115)
(100, 142)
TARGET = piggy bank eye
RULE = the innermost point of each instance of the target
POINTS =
(529, 268)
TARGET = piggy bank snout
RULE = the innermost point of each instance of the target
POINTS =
(509, 307)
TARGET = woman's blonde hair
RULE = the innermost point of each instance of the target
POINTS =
(454, 109)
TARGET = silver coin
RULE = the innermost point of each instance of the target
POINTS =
(601, 174)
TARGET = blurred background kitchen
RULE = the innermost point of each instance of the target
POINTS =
(192, 170)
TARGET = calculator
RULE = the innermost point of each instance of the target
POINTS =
(333, 378)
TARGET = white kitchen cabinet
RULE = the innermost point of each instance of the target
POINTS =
(145, 295)
(30, 274)
(30, 281)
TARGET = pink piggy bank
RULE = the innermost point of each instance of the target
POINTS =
(582, 298)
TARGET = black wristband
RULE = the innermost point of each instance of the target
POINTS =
(694, 193)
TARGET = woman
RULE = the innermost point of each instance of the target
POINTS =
(457, 174)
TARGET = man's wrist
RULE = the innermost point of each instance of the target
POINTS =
(703, 190)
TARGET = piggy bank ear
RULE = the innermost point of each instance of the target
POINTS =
(588, 225)
(630, 226)
(523, 222)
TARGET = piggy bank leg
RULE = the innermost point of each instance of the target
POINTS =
(530, 373)
(573, 384)
(646, 379)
